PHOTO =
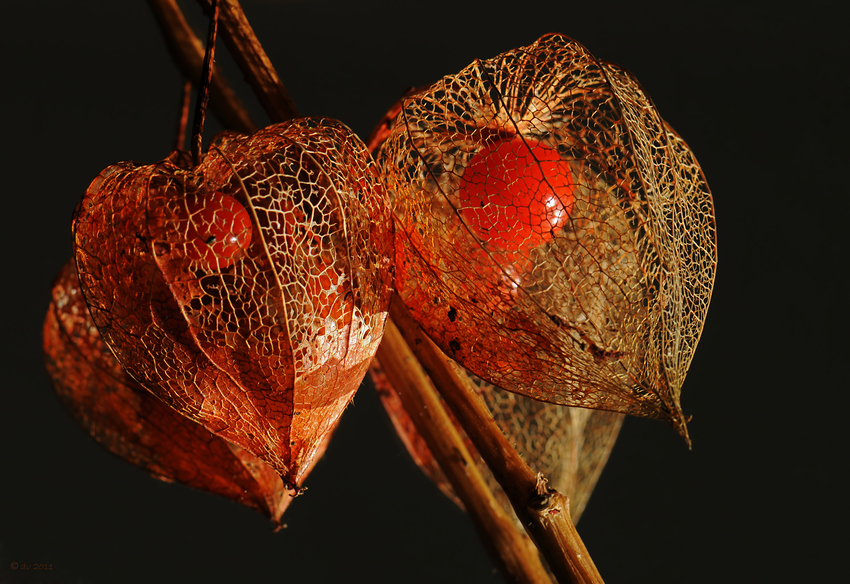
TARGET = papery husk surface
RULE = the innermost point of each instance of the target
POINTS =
(133, 424)
(606, 312)
(266, 348)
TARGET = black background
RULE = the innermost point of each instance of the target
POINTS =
(759, 91)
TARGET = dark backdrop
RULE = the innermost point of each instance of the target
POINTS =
(760, 92)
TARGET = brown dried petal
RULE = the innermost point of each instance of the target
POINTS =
(266, 342)
(133, 424)
(599, 305)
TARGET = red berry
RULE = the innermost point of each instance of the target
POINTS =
(219, 229)
(516, 193)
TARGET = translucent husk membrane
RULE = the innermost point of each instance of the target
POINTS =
(133, 424)
(602, 309)
(264, 339)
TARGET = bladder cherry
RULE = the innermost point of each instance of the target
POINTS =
(219, 228)
(248, 292)
(516, 193)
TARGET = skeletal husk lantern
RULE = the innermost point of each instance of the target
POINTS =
(553, 234)
(249, 292)
(134, 424)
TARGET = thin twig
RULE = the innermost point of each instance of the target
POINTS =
(183, 118)
(543, 511)
(253, 61)
(187, 50)
(509, 545)
(204, 87)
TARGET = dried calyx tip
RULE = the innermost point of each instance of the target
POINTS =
(680, 424)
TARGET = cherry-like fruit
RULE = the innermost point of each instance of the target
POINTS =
(516, 193)
(219, 229)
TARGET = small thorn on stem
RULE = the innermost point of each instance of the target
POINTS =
(204, 87)
(183, 118)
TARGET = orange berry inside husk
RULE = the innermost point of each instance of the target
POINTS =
(219, 229)
(516, 193)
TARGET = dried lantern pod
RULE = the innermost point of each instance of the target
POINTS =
(250, 292)
(569, 446)
(553, 234)
(133, 424)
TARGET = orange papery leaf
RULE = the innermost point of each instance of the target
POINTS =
(569, 446)
(553, 234)
(248, 293)
(133, 424)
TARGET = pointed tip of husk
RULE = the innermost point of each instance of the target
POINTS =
(680, 424)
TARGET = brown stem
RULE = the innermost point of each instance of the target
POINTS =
(204, 87)
(188, 52)
(183, 118)
(543, 511)
(253, 61)
(507, 544)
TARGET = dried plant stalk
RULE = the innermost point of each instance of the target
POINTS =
(569, 446)
(253, 61)
(543, 511)
(187, 50)
(508, 544)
